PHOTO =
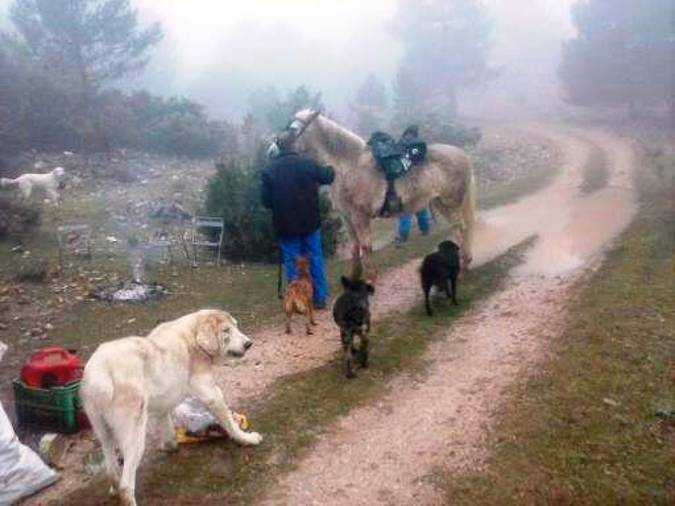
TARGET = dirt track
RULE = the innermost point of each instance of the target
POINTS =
(382, 453)
(398, 441)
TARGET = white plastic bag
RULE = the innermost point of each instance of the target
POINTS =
(193, 416)
(22, 473)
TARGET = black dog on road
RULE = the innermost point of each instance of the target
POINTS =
(352, 314)
(440, 269)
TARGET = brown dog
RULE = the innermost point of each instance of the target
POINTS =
(299, 295)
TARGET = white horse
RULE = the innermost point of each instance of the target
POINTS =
(444, 181)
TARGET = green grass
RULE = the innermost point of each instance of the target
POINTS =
(584, 429)
(248, 291)
(298, 408)
(516, 189)
(595, 173)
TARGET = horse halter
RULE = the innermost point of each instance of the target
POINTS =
(296, 128)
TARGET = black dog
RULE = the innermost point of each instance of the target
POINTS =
(440, 269)
(352, 314)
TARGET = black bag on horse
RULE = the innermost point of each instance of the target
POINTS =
(395, 159)
(388, 154)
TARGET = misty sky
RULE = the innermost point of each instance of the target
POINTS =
(218, 51)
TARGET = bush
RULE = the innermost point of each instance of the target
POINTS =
(234, 194)
(448, 130)
(438, 127)
(16, 218)
(36, 113)
(175, 126)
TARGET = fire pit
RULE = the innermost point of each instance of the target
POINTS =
(134, 291)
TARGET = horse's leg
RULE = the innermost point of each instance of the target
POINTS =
(468, 220)
(457, 229)
(357, 266)
(361, 224)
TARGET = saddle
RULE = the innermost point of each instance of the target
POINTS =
(395, 159)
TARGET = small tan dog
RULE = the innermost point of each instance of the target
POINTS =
(299, 296)
(48, 183)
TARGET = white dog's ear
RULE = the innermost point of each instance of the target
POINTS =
(208, 334)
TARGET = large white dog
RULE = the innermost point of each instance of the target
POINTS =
(129, 379)
(47, 184)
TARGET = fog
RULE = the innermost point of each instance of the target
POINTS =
(219, 51)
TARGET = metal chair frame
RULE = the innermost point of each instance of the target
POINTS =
(208, 222)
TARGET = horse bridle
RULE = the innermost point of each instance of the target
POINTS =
(297, 127)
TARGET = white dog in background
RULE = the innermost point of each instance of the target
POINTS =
(129, 379)
(48, 184)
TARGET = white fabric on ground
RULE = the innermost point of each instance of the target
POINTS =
(22, 472)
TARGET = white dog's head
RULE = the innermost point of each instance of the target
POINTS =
(59, 172)
(217, 334)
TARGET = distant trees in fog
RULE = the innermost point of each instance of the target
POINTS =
(89, 42)
(446, 47)
(56, 70)
(623, 54)
(269, 112)
(370, 105)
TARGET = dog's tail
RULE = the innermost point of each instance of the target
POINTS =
(295, 305)
(7, 183)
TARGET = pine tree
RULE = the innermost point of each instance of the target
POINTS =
(446, 46)
(370, 105)
(81, 45)
(623, 54)
(95, 41)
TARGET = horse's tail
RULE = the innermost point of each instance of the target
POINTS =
(469, 215)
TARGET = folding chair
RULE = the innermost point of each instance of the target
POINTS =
(204, 229)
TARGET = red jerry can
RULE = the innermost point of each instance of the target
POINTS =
(51, 367)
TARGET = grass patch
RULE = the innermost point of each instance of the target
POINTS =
(516, 189)
(593, 425)
(246, 290)
(595, 173)
(299, 408)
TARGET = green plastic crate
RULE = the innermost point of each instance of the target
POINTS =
(57, 409)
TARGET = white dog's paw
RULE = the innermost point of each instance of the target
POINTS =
(251, 438)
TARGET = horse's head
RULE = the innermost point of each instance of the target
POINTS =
(294, 133)
(304, 127)
(323, 138)
(302, 120)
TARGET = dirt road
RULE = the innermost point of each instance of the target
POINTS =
(384, 453)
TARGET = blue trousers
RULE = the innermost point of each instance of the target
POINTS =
(405, 223)
(306, 245)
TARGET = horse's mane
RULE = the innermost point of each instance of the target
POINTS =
(337, 140)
